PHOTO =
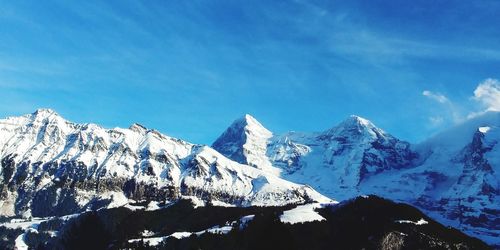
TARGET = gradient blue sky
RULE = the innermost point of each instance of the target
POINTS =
(189, 68)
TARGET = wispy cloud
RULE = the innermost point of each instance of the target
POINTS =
(448, 112)
(342, 33)
(435, 96)
(436, 121)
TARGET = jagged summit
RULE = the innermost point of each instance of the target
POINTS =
(138, 128)
(46, 122)
(248, 123)
(44, 112)
(357, 120)
(240, 130)
(247, 118)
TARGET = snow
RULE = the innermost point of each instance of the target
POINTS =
(418, 223)
(133, 207)
(23, 224)
(197, 202)
(20, 244)
(301, 214)
(147, 233)
(118, 199)
(180, 235)
(154, 241)
(257, 187)
(152, 205)
(255, 146)
(245, 220)
(219, 230)
(222, 204)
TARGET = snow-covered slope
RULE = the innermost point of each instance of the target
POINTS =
(454, 175)
(50, 166)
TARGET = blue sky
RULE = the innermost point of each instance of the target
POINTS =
(189, 68)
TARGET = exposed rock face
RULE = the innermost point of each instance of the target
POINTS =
(393, 241)
(50, 166)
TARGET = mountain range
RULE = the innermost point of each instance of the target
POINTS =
(53, 167)
(453, 176)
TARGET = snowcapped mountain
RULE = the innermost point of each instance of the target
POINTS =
(335, 161)
(453, 176)
(245, 141)
(50, 166)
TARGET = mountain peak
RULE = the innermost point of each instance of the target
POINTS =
(245, 141)
(249, 117)
(355, 125)
(138, 128)
(354, 120)
(44, 112)
(249, 122)
(244, 126)
(44, 115)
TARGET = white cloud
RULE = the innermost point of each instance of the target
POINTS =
(435, 96)
(488, 94)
